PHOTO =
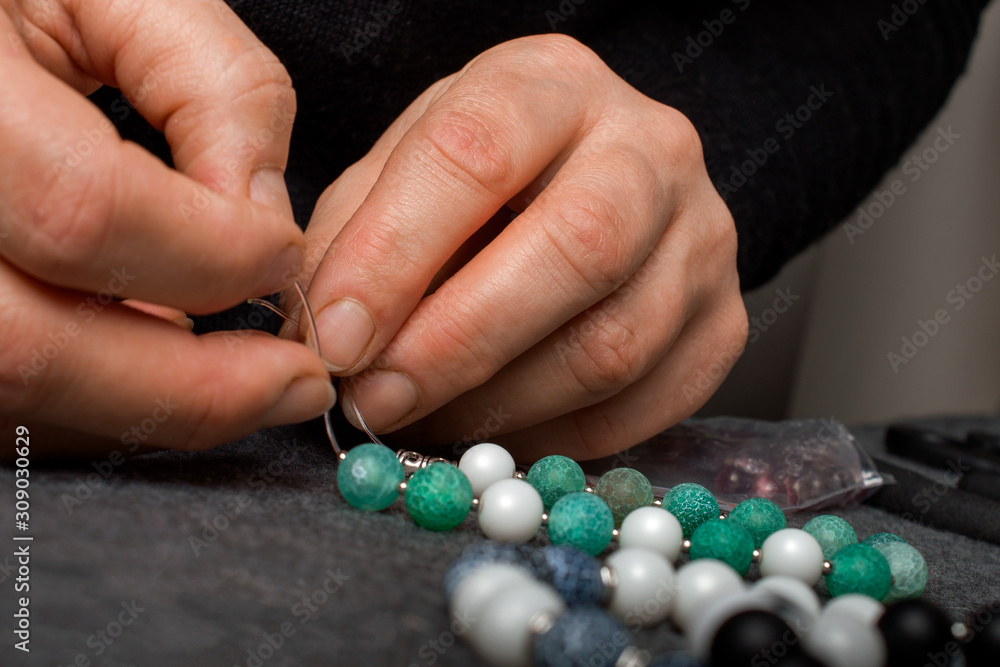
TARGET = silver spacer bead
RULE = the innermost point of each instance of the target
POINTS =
(414, 461)
(545, 518)
(610, 580)
(686, 546)
(589, 488)
(755, 558)
(959, 631)
(342, 456)
(541, 623)
(520, 475)
(658, 502)
(402, 488)
(615, 533)
(475, 503)
(633, 656)
(827, 568)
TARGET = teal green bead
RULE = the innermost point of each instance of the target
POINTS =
(624, 489)
(692, 504)
(909, 571)
(439, 496)
(761, 517)
(555, 476)
(882, 538)
(727, 541)
(859, 568)
(369, 476)
(581, 520)
(832, 533)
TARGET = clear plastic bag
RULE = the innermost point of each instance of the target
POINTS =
(808, 464)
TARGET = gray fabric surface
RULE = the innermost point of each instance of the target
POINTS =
(128, 541)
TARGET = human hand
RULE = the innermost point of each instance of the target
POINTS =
(87, 219)
(582, 325)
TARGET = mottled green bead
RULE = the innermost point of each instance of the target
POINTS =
(692, 504)
(882, 538)
(859, 568)
(624, 489)
(909, 571)
(727, 541)
(761, 517)
(832, 533)
(369, 477)
(555, 476)
(439, 496)
(581, 520)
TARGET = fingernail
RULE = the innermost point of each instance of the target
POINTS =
(267, 187)
(384, 398)
(184, 323)
(346, 329)
(305, 398)
(283, 271)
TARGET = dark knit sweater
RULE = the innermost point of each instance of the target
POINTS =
(744, 71)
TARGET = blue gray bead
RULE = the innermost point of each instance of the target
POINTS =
(574, 574)
(483, 553)
(675, 659)
(582, 637)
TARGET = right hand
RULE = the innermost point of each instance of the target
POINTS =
(86, 216)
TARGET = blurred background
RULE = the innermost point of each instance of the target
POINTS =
(872, 281)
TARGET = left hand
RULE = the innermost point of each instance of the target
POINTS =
(607, 309)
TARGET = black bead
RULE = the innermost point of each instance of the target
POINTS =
(916, 632)
(799, 659)
(752, 635)
(984, 648)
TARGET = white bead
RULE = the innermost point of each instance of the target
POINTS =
(652, 528)
(698, 583)
(794, 553)
(862, 608)
(791, 591)
(510, 511)
(644, 593)
(484, 464)
(706, 623)
(840, 640)
(502, 634)
(484, 583)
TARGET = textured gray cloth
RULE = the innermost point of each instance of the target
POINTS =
(137, 548)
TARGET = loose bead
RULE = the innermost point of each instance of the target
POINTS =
(792, 591)
(743, 639)
(697, 584)
(832, 533)
(582, 637)
(510, 511)
(882, 538)
(368, 477)
(792, 552)
(438, 497)
(486, 552)
(581, 520)
(485, 464)
(761, 517)
(839, 640)
(652, 528)
(705, 625)
(555, 476)
(624, 489)
(860, 607)
(859, 568)
(692, 504)
(503, 634)
(475, 591)
(575, 575)
(644, 592)
(909, 571)
(727, 541)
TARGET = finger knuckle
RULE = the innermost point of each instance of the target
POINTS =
(471, 147)
(610, 356)
(459, 334)
(586, 230)
(24, 360)
(561, 51)
(678, 135)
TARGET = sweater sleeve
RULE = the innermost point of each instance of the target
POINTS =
(801, 107)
